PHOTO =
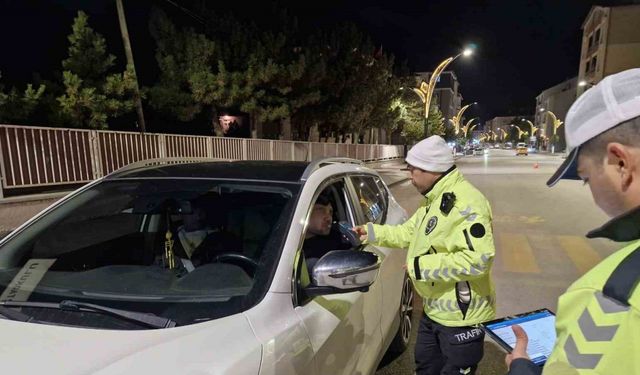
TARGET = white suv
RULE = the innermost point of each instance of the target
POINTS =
(113, 280)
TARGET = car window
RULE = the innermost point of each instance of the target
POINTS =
(328, 227)
(188, 250)
(372, 199)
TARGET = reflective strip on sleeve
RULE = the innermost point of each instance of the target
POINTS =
(577, 359)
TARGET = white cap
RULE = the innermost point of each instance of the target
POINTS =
(431, 154)
(614, 100)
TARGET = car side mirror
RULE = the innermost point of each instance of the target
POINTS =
(343, 271)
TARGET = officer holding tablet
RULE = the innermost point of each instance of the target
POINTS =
(598, 320)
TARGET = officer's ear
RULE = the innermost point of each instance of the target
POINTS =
(624, 159)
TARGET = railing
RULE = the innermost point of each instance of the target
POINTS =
(37, 156)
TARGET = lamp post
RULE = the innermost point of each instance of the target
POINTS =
(534, 128)
(556, 124)
(504, 134)
(457, 119)
(425, 90)
(520, 132)
(466, 128)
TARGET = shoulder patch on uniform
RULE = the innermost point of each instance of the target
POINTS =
(477, 230)
(431, 225)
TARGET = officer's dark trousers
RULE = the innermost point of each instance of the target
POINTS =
(447, 350)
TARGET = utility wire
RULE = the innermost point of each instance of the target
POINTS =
(186, 11)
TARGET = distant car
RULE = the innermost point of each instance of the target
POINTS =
(522, 149)
(508, 146)
(478, 151)
(110, 284)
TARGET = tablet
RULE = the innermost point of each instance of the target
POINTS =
(539, 326)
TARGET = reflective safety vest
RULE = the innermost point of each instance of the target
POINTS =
(451, 251)
(598, 320)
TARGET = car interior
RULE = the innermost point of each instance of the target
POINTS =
(118, 244)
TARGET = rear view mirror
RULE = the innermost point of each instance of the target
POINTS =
(344, 271)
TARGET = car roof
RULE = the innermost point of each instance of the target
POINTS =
(283, 171)
(256, 170)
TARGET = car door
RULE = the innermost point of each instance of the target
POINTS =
(373, 206)
(344, 328)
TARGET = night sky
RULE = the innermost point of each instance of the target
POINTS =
(523, 46)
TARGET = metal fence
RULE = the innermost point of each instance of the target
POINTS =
(35, 156)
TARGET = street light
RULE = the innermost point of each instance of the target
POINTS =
(556, 124)
(425, 91)
(582, 83)
(504, 134)
(520, 132)
(466, 128)
(534, 129)
(457, 119)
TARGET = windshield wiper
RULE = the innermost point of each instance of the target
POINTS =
(149, 320)
(16, 315)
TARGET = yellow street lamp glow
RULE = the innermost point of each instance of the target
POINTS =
(504, 133)
(465, 128)
(457, 119)
(556, 124)
(425, 90)
(520, 132)
(582, 83)
(534, 129)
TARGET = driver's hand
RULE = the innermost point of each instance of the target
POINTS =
(520, 349)
(360, 231)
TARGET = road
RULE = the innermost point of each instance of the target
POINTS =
(539, 234)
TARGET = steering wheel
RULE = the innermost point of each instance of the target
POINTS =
(247, 264)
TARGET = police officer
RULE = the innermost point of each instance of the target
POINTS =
(598, 319)
(450, 256)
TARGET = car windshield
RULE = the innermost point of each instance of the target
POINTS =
(189, 250)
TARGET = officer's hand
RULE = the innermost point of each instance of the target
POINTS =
(520, 350)
(361, 232)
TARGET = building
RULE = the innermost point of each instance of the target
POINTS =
(557, 99)
(497, 124)
(610, 43)
(446, 94)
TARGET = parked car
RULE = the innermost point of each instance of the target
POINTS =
(99, 283)
(522, 149)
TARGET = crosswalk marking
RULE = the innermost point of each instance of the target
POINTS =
(583, 256)
(517, 254)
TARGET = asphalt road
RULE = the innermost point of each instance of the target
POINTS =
(539, 234)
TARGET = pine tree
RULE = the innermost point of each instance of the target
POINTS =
(17, 107)
(91, 96)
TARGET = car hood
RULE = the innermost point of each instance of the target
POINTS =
(223, 346)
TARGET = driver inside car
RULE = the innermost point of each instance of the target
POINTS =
(322, 236)
(198, 241)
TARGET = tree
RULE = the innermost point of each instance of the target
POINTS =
(91, 96)
(412, 120)
(17, 107)
(181, 56)
(435, 121)
(233, 65)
